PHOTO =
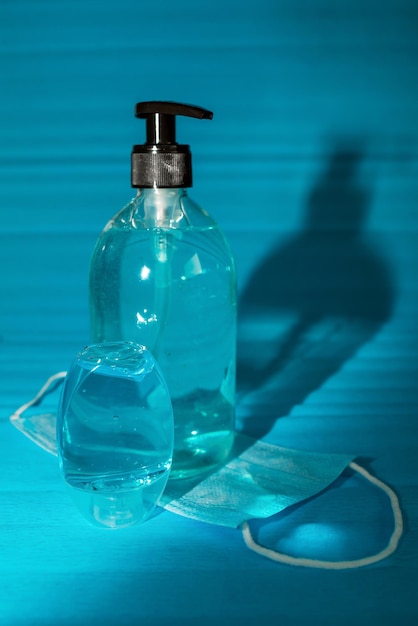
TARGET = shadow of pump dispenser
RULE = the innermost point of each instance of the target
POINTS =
(315, 299)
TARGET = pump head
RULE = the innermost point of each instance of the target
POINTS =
(160, 161)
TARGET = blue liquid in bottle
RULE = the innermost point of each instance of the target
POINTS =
(162, 275)
(115, 433)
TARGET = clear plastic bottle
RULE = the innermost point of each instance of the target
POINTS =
(115, 433)
(162, 275)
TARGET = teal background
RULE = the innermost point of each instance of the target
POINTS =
(310, 165)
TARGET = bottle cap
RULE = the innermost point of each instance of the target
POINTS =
(161, 161)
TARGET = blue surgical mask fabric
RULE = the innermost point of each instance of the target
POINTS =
(259, 480)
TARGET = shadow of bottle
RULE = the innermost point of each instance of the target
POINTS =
(313, 301)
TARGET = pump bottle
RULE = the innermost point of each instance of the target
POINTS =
(162, 275)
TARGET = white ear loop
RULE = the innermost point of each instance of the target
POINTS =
(38, 396)
(47, 439)
(369, 560)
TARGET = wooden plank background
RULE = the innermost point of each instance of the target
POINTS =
(316, 123)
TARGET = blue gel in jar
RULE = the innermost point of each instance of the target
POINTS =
(115, 433)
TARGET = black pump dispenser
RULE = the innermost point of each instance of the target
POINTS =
(160, 161)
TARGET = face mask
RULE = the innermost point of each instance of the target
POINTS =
(259, 480)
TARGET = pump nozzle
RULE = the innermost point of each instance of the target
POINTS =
(160, 161)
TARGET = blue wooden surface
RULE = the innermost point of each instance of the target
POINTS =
(311, 167)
